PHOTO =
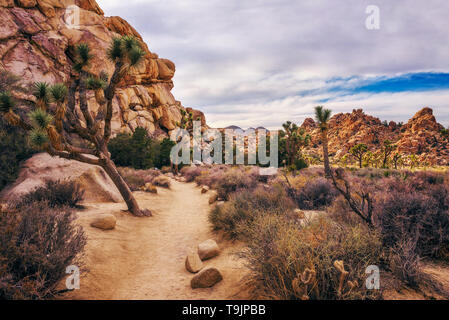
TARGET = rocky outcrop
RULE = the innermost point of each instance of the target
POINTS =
(421, 135)
(97, 186)
(37, 38)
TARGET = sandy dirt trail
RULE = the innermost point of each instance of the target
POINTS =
(143, 258)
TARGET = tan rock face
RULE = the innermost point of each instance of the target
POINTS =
(37, 42)
(97, 186)
(421, 135)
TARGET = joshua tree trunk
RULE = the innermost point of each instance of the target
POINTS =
(122, 187)
(327, 168)
(360, 162)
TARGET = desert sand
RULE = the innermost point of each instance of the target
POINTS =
(144, 258)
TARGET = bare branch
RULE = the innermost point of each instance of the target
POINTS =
(83, 104)
(74, 156)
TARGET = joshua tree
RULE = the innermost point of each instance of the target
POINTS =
(397, 160)
(56, 121)
(344, 161)
(387, 149)
(358, 151)
(295, 139)
(322, 117)
(368, 159)
(412, 161)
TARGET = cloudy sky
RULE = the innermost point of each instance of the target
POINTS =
(262, 62)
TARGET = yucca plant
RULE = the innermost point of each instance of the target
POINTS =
(56, 119)
(40, 119)
(7, 106)
(38, 138)
(41, 91)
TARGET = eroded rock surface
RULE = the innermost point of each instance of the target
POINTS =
(37, 43)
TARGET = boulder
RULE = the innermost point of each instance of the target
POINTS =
(213, 197)
(104, 222)
(208, 249)
(193, 262)
(27, 3)
(204, 189)
(206, 278)
(149, 187)
(97, 186)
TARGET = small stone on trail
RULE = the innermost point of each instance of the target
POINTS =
(213, 197)
(204, 189)
(208, 249)
(206, 279)
(104, 222)
(193, 262)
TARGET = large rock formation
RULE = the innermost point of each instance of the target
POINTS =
(421, 135)
(97, 186)
(37, 39)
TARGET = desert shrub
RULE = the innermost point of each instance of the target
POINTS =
(139, 150)
(414, 209)
(288, 261)
(14, 150)
(405, 262)
(162, 181)
(55, 193)
(211, 176)
(191, 172)
(340, 211)
(233, 180)
(37, 244)
(316, 194)
(243, 207)
(300, 164)
(373, 173)
(136, 179)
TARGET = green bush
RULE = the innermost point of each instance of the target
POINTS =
(139, 150)
(300, 164)
(14, 150)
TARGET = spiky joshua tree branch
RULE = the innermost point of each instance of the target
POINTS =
(61, 112)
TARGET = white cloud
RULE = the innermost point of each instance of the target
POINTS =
(253, 61)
